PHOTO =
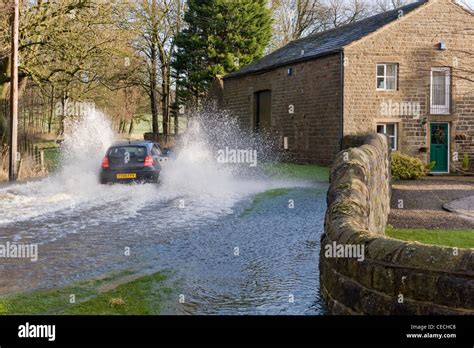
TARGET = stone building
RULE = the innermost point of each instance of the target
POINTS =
(408, 73)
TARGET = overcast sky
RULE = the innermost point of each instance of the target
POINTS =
(470, 3)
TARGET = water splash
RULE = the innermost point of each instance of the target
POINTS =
(76, 185)
(86, 140)
(194, 187)
(212, 187)
(197, 167)
(194, 171)
(180, 224)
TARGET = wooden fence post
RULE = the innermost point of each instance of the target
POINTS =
(42, 160)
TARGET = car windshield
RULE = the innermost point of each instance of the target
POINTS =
(127, 151)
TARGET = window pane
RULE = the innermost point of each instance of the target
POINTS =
(392, 142)
(155, 151)
(391, 83)
(438, 135)
(390, 129)
(380, 70)
(380, 83)
(120, 151)
(439, 76)
(392, 70)
(439, 88)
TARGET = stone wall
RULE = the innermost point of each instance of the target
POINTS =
(313, 90)
(393, 277)
(413, 44)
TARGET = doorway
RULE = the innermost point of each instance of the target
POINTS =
(263, 110)
(439, 148)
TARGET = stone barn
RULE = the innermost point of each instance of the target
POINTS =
(408, 73)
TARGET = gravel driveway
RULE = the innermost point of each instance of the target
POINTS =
(422, 203)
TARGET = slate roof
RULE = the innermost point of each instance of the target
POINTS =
(324, 43)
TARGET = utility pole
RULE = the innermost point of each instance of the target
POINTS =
(12, 170)
(178, 108)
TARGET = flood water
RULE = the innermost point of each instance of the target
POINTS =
(227, 253)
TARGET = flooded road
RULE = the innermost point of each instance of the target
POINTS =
(229, 248)
(254, 257)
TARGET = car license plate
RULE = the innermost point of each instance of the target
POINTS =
(127, 176)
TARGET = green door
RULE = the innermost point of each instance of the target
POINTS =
(439, 138)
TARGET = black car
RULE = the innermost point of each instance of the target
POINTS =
(131, 161)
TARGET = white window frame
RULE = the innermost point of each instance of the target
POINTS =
(394, 136)
(384, 76)
(441, 109)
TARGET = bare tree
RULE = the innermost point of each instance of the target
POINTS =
(386, 5)
(63, 44)
(155, 23)
(295, 19)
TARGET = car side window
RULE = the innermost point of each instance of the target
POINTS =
(155, 151)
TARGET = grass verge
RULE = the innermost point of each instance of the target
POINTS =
(52, 154)
(450, 238)
(52, 158)
(297, 171)
(259, 197)
(140, 296)
(309, 172)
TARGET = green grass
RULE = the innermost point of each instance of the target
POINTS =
(143, 295)
(52, 159)
(262, 196)
(309, 172)
(259, 197)
(46, 144)
(298, 171)
(450, 238)
(51, 154)
(143, 125)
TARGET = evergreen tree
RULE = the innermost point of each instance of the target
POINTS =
(220, 36)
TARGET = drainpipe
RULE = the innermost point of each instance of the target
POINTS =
(341, 100)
